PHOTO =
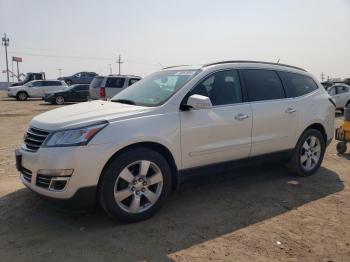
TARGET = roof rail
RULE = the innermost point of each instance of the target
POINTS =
(174, 66)
(256, 62)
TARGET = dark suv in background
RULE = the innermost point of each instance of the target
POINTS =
(79, 78)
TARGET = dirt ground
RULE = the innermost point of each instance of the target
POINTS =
(257, 213)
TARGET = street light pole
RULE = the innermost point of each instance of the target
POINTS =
(5, 42)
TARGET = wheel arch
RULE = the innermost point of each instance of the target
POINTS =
(163, 150)
(319, 127)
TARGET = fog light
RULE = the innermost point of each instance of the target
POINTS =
(55, 172)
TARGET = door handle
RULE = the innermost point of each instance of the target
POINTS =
(290, 110)
(241, 117)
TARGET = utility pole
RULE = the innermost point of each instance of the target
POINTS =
(60, 72)
(322, 76)
(5, 42)
(110, 69)
(119, 62)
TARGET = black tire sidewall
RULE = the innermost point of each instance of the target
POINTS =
(341, 147)
(304, 136)
(111, 173)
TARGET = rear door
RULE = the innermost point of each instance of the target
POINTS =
(114, 85)
(81, 92)
(275, 118)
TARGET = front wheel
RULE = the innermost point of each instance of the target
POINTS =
(135, 184)
(308, 153)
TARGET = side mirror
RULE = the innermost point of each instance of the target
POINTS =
(199, 102)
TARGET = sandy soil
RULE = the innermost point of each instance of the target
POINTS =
(257, 213)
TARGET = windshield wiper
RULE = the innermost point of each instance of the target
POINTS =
(124, 101)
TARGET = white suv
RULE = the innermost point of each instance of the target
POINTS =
(128, 153)
(341, 95)
(35, 89)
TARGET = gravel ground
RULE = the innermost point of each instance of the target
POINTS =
(256, 213)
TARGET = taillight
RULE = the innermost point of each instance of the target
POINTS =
(102, 92)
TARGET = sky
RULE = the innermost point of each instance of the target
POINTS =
(84, 35)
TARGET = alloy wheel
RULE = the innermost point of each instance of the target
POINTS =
(310, 153)
(138, 186)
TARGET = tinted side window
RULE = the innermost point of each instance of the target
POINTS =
(342, 89)
(38, 83)
(132, 81)
(296, 84)
(222, 88)
(81, 88)
(262, 85)
(115, 82)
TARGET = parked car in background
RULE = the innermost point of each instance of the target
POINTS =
(35, 89)
(79, 78)
(341, 95)
(74, 93)
(129, 152)
(30, 77)
(104, 87)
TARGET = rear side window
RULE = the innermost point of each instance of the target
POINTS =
(81, 88)
(115, 82)
(133, 81)
(96, 82)
(262, 85)
(342, 89)
(297, 85)
(52, 83)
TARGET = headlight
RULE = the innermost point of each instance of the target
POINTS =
(74, 137)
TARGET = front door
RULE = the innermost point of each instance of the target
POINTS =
(221, 133)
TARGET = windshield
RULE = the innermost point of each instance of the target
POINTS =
(156, 88)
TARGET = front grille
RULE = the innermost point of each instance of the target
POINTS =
(34, 138)
(27, 174)
(43, 181)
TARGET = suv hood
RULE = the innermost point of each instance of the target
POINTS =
(86, 113)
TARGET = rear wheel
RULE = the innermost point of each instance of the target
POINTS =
(22, 96)
(308, 154)
(135, 184)
(59, 100)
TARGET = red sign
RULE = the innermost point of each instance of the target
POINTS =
(17, 59)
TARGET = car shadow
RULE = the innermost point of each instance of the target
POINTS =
(205, 207)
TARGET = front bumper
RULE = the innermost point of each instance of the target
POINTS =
(86, 161)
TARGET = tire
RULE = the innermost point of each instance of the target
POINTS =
(302, 157)
(22, 96)
(69, 82)
(59, 100)
(341, 147)
(120, 175)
